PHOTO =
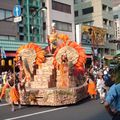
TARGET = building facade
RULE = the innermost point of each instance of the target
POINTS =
(98, 13)
(61, 12)
(116, 12)
(14, 34)
(35, 24)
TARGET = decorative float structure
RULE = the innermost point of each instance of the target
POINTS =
(56, 79)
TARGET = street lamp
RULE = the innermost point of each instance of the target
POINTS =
(42, 9)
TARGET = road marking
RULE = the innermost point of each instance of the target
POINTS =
(4, 104)
(28, 115)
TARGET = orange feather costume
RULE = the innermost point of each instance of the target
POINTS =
(13, 94)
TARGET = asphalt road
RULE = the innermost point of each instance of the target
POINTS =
(84, 110)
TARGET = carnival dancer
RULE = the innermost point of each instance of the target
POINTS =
(52, 39)
(91, 86)
(112, 100)
(13, 94)
(64, 69)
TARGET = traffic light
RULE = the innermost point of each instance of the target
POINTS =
(2, 62)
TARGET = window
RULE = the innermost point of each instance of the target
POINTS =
(8, 14)
(85, 0)
(61, 7)
(87, 10)
(89, 23)
(76, 13)
(107, 36)
(63, 26)
(115, 16)
(5, 37)
(105, 21)
(21, 38)
(21, 29)
(2, 37)
(12, 38)
(110, 23)
(75, 1)
(109, 9)
(2, 14)
(5, 14)
(104, 7)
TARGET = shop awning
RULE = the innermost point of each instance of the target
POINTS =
(89, 56)
(108, 57)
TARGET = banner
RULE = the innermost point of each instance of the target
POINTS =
(3, 55)
(93, 35)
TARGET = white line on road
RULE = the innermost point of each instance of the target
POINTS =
(23, 116)
(4, 104)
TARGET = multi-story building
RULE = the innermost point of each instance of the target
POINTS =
(61, 12)
(98, 13)
(116, 12)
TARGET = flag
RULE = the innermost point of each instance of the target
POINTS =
(3, 55)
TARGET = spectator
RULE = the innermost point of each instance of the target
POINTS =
(107, 79)
(101, 87)
(112, 101)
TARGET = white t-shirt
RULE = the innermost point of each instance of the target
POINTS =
(100, 84)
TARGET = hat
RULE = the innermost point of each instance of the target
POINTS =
(105, 72)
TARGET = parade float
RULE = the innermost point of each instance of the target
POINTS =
(54, 78)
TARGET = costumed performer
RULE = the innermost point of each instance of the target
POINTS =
(13, 94)
(52, 39)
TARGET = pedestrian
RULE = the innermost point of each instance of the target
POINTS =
(91, 86)
(112, 101)
(13, 94)
(100, 86)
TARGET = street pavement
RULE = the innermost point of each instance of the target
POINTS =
(84, 110)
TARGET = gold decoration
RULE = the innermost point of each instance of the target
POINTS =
(30, 55)
(71, 53)
(2, 62)
(10, 62)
